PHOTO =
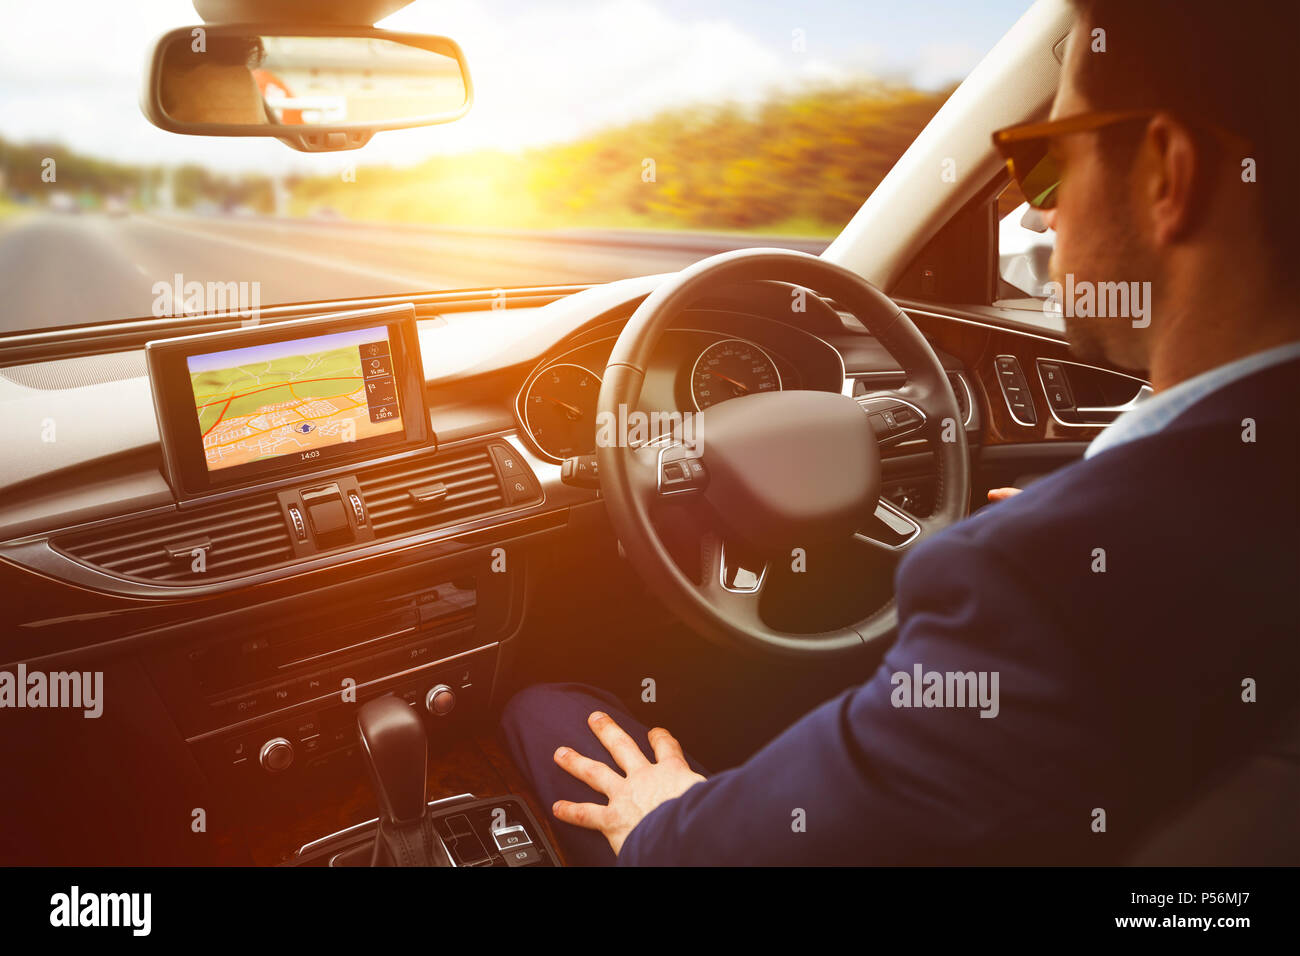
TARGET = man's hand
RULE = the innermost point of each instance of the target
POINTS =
(1001, 494)
(645, 786)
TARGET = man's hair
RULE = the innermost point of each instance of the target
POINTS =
(1229, 64)
(246, 51)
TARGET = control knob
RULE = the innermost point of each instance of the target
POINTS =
(276, 755)
(440, 700)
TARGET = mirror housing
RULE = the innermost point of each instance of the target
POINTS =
(315, 88)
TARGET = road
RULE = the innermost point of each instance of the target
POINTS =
(69, 269)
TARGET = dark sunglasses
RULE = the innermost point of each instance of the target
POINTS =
(1027, 148)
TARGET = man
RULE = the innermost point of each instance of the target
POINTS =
(216, 84)
(1137, 607)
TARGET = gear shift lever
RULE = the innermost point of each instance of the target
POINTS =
(396, 750)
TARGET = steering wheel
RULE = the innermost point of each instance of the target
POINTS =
(771, 472)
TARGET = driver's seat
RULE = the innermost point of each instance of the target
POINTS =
(1245, 816)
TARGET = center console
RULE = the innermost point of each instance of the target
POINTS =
(301, 445)
(268, 700)
(491, 831)
(412, 830)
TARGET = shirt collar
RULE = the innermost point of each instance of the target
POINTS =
(1153, 413)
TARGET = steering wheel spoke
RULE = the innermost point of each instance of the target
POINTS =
(893, 530)
(732, 581)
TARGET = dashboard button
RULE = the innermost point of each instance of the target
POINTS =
(327, 517)
(509, 837)
(521, 856)
(509, 462)
(519, 489)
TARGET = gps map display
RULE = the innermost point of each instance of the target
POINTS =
(295, 397)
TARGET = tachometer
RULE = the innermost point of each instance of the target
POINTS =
(560, 410)
(729, 369)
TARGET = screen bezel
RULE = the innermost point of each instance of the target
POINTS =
(185, 464)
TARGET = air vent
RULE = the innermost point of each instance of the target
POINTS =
(239, 538)
(471, 489)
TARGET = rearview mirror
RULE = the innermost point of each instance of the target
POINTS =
(315, 88)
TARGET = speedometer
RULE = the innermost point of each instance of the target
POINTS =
(560, 410)
(732, 368)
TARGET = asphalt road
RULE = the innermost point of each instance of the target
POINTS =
(70, 269)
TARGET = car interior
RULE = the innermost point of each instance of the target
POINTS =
(312, 650)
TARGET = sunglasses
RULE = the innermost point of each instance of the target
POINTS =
(1027, 148)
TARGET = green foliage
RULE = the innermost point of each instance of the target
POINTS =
(804, 161)
(24, 163)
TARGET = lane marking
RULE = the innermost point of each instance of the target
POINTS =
(320, 262)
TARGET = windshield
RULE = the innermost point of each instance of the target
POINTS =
(607, 139)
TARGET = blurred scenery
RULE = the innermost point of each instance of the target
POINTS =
(727, 169)
(751, 151)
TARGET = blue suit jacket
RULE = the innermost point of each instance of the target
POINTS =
(1119, 690)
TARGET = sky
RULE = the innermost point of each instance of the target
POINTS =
(543, 70)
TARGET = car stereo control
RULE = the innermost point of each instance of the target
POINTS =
(276, 755)
(440, 701)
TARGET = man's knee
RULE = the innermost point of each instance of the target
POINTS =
(551, 704)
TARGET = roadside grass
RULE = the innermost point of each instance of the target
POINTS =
(797, 164)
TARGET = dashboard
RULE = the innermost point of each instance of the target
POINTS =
(709, 357)
(244, 588)
(91, 527)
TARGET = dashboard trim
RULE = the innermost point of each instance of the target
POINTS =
(35, 553)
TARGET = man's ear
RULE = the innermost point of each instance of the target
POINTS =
(1175, 179)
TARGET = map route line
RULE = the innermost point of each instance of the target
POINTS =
(219, 417)
(305, 381)
(305, 418)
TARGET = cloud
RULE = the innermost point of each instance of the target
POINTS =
(561, 71)
(942, 63)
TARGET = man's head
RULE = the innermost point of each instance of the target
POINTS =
(1198, 196)
(214, 84)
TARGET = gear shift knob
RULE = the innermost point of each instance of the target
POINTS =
(393, 740)
(397, 752)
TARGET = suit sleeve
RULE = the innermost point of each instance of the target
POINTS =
(860, 780)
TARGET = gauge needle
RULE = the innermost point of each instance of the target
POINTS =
(571, 409)
(727, 378)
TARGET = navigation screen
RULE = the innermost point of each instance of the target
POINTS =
(294, 398)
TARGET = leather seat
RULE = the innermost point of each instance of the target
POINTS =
(1249, 815)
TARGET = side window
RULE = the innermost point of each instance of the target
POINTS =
(1024, 250)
